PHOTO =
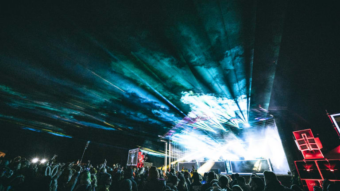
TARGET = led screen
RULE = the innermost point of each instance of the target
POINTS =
(330, 169)
(308, 170)
(218, 165)
(250, 166)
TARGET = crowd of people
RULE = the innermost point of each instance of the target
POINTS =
(19, 174)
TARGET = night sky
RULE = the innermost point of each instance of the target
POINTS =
(114, 72)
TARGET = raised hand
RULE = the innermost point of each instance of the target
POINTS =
(54, 157)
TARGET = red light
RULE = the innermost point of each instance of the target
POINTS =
(307, 167)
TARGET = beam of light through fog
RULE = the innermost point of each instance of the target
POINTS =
(207, 134)
(210, 113)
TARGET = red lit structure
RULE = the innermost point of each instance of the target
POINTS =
(315, 168)
(141, 159)
(335, 119)
(136, 158)
(308, 144)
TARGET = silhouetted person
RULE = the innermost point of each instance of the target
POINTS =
(272, 183)
(182, 185)
(171, 185)
(84, 182)
(234, 179)
(236, 188)
(325, 184)
(224, 183)
(153, 182)
(68, 180)
(187, 179)
(242, 182)
(211, 177)
(295, 187)
(126, 185)
(333, 187)
(256, 184)
(104, 182)
(196, 185)
(128, 174)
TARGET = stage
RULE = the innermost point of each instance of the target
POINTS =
(245, 150)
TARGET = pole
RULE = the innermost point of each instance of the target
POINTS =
(87, 145)
(170, 154)
(165, 155)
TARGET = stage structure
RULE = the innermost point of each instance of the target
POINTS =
(216, 135)
(136, 158)
(132, 157)
(244, 151)
(315, 168)
(335, 118)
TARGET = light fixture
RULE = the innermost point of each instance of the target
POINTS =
(43, 161)
(35, 160)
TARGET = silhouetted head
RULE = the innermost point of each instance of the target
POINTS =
(256, 183)
(211, 176)
(186, 174)
(126, 185)
(174, 180)
(333, 186)
(224, 181)
(128, 173)
(241, 181)
(153, 173)
(269, 177)
(196, 177)
(104, 179)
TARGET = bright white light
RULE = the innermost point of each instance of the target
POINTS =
(247, 125)
(35, 160)
(264, 143)
(206, 167)
(205, 133)
(210, 113)
(43, 161)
